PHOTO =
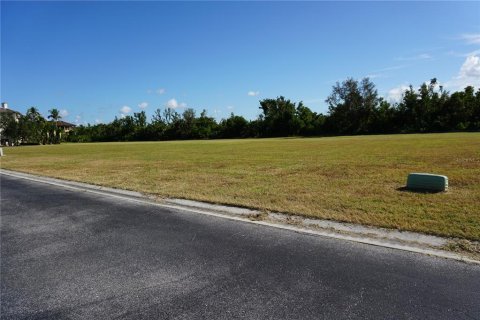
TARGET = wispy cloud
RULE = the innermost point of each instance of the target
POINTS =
(253, 93)
(376, 75)
(158, 91)
(143, 105)
(78, 119)
(384, 72)
(392, 68)
(63, 113)
(463, 55)
(471, 38)
(173, 104)
(422, 56)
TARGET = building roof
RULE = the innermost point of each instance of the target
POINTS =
(61, 123)
(7, 110)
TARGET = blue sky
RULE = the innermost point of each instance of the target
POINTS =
(98, 60)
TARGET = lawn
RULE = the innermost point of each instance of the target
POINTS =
(355, 179)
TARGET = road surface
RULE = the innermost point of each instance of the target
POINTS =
(78, 255)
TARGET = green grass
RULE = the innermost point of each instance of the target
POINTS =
(354, 179)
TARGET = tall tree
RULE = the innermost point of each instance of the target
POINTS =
(279, 117)
(35, 126)
(54, 115)
(234, 127)
(11, 128)
(53, 133)
(205, 127)
(352, 106)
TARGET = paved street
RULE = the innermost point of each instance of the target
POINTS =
(78, 255)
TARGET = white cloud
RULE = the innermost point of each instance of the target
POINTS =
(125, 109)
(471, 38)
(469, 74)
(143, 105)
(97, 121)
(396, 94)
(63, 113)
(471, 68)
(173, 104)
(253, 93)
(78, 119)
(230, 108)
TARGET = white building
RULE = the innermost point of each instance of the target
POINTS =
(6, 112)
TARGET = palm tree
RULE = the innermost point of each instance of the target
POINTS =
(34, 125)
(54, 115)
(33, 114)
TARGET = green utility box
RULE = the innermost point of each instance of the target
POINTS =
(427, 182)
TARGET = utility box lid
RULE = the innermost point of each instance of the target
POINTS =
(427, 182)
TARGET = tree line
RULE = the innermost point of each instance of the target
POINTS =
(31, 128)
(354, 107)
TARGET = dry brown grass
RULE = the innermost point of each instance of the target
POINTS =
(354, 179)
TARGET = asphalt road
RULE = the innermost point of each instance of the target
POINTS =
(78, 255)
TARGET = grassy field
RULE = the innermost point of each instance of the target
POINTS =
(354, 179)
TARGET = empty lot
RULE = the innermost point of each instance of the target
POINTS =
(354, 179)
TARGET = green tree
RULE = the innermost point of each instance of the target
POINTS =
(476, 112)
(385, 116)
(205, 127)
(279, 117)
(309, 122)
(352, 106)
(54, 115)
(186, 128)
(140, 123)
(170, 115)
(233, 127)
(12, 128)
(157, 126)
(54, 134)
(34, 126)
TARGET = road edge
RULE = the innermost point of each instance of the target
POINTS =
(275, 220)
